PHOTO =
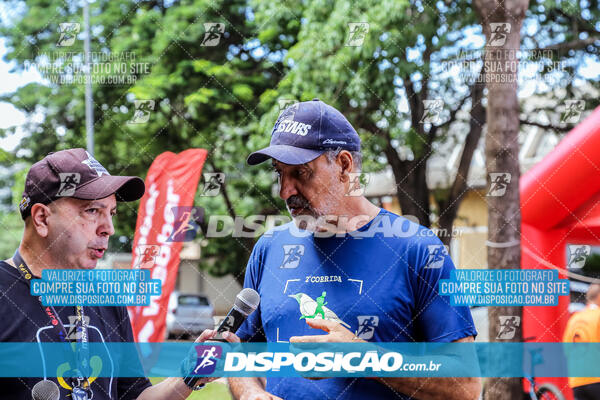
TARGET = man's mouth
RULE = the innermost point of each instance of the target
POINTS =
(297, 211)
(298, 205)
(98, 252)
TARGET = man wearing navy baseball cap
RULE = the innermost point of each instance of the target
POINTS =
(344, 270)
(306, 130)
(313, 138)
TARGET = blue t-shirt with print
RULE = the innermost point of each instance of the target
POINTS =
(380, 282)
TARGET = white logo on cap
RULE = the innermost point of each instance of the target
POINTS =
(291, 126)
(287, 124)
(332, 141)
(95, 165)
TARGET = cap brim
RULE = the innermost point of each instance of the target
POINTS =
(283, 153)
(126, 188)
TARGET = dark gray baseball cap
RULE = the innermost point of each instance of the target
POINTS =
(75, 173)
(306, 130)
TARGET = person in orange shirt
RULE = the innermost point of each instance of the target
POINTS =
(584, 326)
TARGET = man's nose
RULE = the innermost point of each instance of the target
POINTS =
(287, 187)
(106, 226)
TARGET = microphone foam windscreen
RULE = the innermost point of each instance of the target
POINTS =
(45, 390)
(247, 300)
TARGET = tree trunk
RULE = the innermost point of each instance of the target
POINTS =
(502, 152)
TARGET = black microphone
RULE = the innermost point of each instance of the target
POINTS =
(245, 303)
(45, 390)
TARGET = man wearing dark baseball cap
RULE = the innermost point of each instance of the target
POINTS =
(304, 131)
(68, 205)
(75, 173)
(344, 270)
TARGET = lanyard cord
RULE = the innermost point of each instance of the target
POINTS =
(80, 325)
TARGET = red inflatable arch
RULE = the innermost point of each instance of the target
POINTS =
(560, 204)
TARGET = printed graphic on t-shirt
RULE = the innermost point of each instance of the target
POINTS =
(310, 308)
(93, 365)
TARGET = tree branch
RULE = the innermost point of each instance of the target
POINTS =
(230, 209)
(413, 101)
(573, 44)
(585, 27)
(546, 126)
(434, 129)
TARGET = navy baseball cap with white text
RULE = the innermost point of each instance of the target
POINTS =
(306, 130)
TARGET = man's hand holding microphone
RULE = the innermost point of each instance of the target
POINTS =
(245, 303)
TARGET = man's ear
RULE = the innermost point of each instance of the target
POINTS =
(346, 163)
(40, 214)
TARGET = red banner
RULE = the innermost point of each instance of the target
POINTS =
(171, 182)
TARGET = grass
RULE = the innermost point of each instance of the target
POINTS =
(212, 391)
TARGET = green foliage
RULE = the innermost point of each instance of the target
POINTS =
(204, 97)
(568, 31)
(365, 82)
(10, 219)
(12, 230)
(592, 265)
